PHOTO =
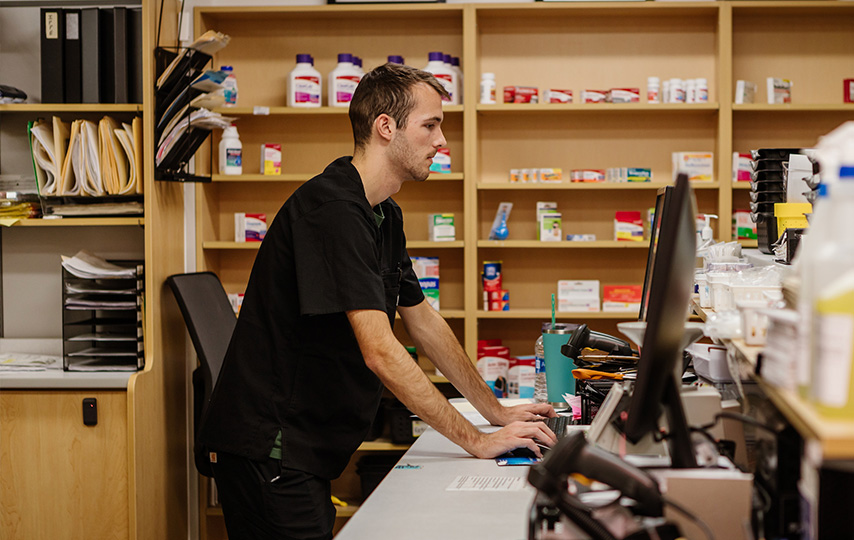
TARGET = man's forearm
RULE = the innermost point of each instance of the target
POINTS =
(433, 336)
(387, 358)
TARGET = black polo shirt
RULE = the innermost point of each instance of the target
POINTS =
(293, 364)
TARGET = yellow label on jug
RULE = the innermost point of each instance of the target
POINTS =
(834, 377)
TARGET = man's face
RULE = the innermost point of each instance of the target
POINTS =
(413, 147)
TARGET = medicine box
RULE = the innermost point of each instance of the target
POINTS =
(594, 96)
(779, 91)
(236, 301)
(544, 207)
(745, 92)
(699, 166)
(578, 295)
(623, 95)
(427, 270)
(621, 298)
(441, 228)
(249, 227)
(557, 96)
(550, 227)
(628, 226)
(442, 161)
(271, 158)
(741, 167)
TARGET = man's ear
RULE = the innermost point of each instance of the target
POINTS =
(384, 126)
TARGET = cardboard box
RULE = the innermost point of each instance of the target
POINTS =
(621, 297)
(544, 207)
(427, 270)
(271, 158)
(550, 227)
(249, 227)
(442, 161)
(628, 226)
(441, 228)
(578, 295)
(699, 166)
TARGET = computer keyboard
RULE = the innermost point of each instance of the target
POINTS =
(558, 425)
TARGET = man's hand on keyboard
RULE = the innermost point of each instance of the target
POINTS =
(525, 413)
(514, 435)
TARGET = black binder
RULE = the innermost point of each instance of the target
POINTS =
(135, 55)
(73, 57)
(52, 36)
(116, 36)
(108, 56)
(90, 46)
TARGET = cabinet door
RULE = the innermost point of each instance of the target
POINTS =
(59, 477)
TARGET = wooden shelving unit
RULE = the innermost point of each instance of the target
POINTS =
(132, 465)
(715, 40)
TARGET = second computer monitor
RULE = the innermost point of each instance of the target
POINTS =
(669, 295)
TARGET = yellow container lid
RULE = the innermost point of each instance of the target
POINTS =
(788, 210)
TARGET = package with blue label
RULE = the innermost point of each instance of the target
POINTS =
(249, 227)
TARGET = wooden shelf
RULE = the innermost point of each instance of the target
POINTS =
(427, 244)
(794, 107)
(82, 222)
(71, 107)
(536, 186)
(302, 111)
(434, 177)
(597, 107)
(545, 314)
(537, 244)
(382, 445)
(741, 185)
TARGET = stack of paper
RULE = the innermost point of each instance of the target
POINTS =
(85, 159)
(88, 266)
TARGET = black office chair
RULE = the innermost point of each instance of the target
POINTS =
(210, 321)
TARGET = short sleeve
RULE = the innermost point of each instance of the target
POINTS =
(336, 260)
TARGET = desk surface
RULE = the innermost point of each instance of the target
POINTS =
(414, 502)
(57, 379)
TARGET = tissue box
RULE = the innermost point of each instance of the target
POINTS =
(249, 227)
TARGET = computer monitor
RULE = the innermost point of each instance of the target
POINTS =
(670, 287)
(661, 202)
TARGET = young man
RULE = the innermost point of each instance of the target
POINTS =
(303, 375)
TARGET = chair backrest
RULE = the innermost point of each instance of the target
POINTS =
(210, 321)
(208, 315)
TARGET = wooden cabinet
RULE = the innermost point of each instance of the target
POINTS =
(577, 46)
(53, 461)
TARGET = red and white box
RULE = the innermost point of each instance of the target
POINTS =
(624, 95)
(848, 90)
(621, 297)
(555, 95)
(249, 227)
(521, 94)
(594, 96)
(587, 175)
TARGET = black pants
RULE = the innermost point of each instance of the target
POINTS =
(262, 500)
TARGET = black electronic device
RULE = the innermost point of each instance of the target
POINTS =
(670, 288)
(90, 411)
(661, 202)
(573, 454)
(584, 338)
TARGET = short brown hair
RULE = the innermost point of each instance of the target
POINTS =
(386, 89)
